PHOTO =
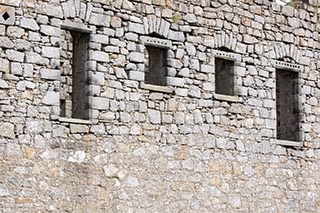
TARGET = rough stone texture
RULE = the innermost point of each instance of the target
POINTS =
(147, 149)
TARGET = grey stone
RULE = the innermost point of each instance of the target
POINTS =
(136, 57)
(29, 23)
(7, 130)
(51, 98)
(154, 116)
(100, 103)
(15, 55)
(50, 30)
(51, 52)
(50, 74)
(100, 20)
(100, 56)
(5, 42)
(111, 171)
(4, 65)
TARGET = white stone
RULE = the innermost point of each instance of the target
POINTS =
(7, 130)
(154, 116)
(100, 103)
(50, 74)
(29, 23)
(6, 42)
(136, 57)
(111, 171)
(51, 52)
(77, 157)
(100, 56)
(51, 98)
(100, 20)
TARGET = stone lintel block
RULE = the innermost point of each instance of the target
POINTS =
(157, 42)
(76, 26)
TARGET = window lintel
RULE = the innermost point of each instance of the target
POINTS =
(70, 25)
(156, 42)
(226, 55)
(287, 66)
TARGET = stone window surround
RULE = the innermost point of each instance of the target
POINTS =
(70, 25)
(237, 59)
(161, 43)
(293, 68)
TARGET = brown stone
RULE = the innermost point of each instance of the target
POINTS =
(22, 200)
(89, 137)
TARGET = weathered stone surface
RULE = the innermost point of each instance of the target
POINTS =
(154, 116)
(7, 130)
(100, 20)
(51, 52)
(6, 42)
(100, 103)
(50, 74)
(4, 65)
(29, 23)
(77, 128)
(141, 147)
(51, 98)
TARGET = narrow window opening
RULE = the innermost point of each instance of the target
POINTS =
(73, 94)
(6, 16)
(287, 104)
(224, 76)
(155, 65)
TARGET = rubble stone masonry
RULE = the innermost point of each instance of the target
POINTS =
(81, 130)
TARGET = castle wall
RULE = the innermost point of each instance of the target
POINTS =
(150, 148)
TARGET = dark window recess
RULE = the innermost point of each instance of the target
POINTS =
(155, 65)
(224, 76)
(6, 16)
(287, 105)
(73, 95)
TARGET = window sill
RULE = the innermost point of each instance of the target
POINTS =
(76, 121)
(228, 98)
(164, 89)
(289, 143)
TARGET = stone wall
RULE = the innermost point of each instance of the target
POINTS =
(148, 148)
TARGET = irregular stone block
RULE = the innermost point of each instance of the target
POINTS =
(49, 9)
(29, 23)
(7, 130)
(100, 20)
(51, 98)
(51, 52)
(6, 42)
(4, 65)
(154, 116)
